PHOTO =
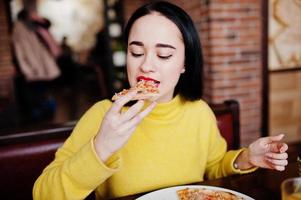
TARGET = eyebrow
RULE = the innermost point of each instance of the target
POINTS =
(161, 45)
(165, 46)
(136, 43)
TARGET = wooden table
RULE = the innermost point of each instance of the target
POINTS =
(263, 184)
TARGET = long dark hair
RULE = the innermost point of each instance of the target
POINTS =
(190, 85)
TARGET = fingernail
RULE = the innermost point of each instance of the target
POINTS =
(281, 150)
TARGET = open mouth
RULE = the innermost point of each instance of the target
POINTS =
(140, 78)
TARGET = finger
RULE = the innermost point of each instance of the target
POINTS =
(277, 162)
(138, 118)
(119, 103)
(274, 138)
(283, 147)
(277, 147)
(125, 130)
(131, 125)
(279, 168)
(132, 111)
(270, 165)
(279, 156)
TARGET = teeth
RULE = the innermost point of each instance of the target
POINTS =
(154, 81)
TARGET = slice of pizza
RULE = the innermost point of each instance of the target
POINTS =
(205, 194)
(146, 89)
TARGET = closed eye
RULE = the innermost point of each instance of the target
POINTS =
(136, 54)
(164, 57)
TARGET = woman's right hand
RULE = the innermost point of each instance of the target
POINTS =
(117, 127)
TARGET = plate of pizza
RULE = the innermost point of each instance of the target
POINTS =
(195, 192)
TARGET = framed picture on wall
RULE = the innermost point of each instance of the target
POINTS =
(284, 34)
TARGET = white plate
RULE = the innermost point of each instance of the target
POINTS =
(171, 193)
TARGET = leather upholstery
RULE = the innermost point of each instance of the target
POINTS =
(225, 126)
(21, 164)
(227, 115)
(23, 156)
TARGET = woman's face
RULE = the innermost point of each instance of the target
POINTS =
(156, 51)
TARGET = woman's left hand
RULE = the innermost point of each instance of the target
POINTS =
(268, 152)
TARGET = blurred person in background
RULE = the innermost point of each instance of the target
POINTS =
(42, 62)
(35, 53)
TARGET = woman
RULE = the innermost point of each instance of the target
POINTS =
(118, 150)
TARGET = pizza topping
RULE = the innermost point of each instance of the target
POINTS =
(147, 86)
(205, 194)
(145, 89)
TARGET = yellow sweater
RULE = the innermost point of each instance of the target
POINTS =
(177, 143)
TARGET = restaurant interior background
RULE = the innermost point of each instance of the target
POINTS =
(248, 57)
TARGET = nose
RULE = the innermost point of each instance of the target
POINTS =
(147, 65)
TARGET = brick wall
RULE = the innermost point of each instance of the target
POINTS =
(230, 31)
(235, 60)
(6, 67)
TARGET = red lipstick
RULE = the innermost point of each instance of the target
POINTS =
(147, 79)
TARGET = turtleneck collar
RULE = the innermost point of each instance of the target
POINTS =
(168, 110)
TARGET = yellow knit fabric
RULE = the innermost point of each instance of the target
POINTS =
(177, 143)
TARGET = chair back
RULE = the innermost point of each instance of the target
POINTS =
(227, 115)
(23, 156)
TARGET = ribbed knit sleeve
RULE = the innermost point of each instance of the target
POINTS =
(220, 163)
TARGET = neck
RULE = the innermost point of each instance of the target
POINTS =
(165, 99)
